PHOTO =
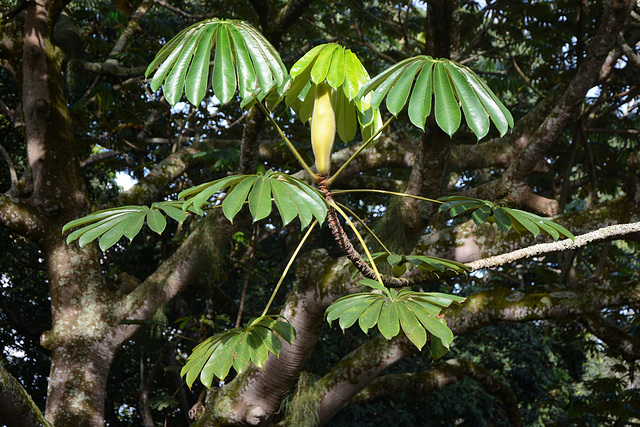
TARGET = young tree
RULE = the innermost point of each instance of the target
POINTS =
(62, 116)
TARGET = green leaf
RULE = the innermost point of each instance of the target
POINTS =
(322, 63)
(474, 112)
(224, 73)
(411, 326)
(382, 90)
(242, 354)
(198, 358)
(156, 221)
(269, 339)
(394, 259)
(302, 202)
(236, 197)
(481, 214)
(260, 199)
(223, 361)
(174, 84)
(106, 213)
(523, 219)
(336, 72)
(491, 106)
(446, 107)
(388, 322)
(102, 227)
(198, 74)
(437, 349)
(349, 317)
(422, 309)
(438, 298)
(377, 81)
(318, 206)
(133, 224)
(370, 316)
(172, 56)
(259, 351)
(437, 328)
(355, 75)
(420, 102)
(112, 236)
(502, 220)
(177, 214)
(303, 64)
(285, 205)
(399, 93)
(246, 73)
(346, 122)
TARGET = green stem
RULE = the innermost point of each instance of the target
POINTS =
(364, 246)
(393, 193)
(289, 144)
(365, 226)
(286, 269)
(362, 147)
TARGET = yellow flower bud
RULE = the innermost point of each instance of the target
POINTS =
(323, 128)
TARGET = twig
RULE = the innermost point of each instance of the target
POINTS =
(562, 245)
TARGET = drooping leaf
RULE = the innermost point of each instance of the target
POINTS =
(260, 199)
(237, 196)
(235, 348)
(242, 58)
(451, 86)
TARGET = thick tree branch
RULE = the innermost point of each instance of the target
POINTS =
(286, 17)
(17, 409)
(154, 185)
(20, 218)
(613, 19)
(505, 305)
(355, 371)
(627, 344)
(421, 384)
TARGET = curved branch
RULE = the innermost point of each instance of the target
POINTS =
(20, 218)
(17, 409)
(421, 384)
(357, 370)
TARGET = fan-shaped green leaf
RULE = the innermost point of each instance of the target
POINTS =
(355, 74)
(399, 93)
(174, 83)
(446, 107)
(377, 81)
(260, 199)
(481, 214)
(245, 72)
(236, 197)
(259, 351)
(319, 205)
(420, 102)
(224, 357)
(522, 219)
(106, 213)
(198, 358)
(242, 354)
(474, 113)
